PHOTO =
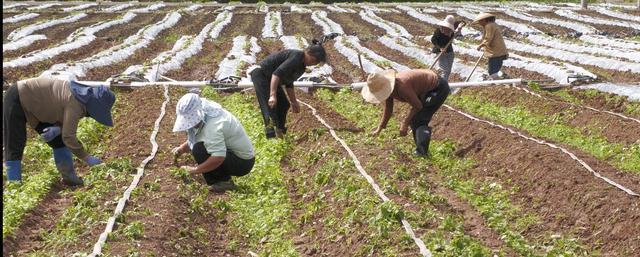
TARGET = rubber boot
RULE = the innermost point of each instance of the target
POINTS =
(64, 163)
(422, 139)
(494, 76)
(14, 170)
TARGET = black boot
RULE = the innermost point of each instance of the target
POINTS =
(422, 137)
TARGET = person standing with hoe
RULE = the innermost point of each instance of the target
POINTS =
(442, 40)
(282, 68)
(493, 44)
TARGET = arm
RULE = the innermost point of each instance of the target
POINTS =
(70, 122)
(210, 164)
(183, 148)
(273, 88)
(295, 107)
(488, 36)
(386, 115)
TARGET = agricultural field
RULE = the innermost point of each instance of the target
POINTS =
(548, 168)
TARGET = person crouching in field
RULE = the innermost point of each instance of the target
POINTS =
(52, 107)
(282, 68)
(425, 92)
(440, 39)
(493, 43)
(216, 139)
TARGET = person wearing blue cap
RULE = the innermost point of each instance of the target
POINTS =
(216, 139)
(52, 107)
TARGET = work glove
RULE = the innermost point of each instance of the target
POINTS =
(50, 133)
(93, 161)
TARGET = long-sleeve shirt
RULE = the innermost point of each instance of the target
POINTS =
(46, 100)
(286, 64)
(492, 40)
(440, 40)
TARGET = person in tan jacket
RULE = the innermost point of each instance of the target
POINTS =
(52, 107)
(493, 43)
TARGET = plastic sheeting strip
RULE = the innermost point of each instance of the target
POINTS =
(542, 142)
(583, 106)
(97, 248)
(407, 227)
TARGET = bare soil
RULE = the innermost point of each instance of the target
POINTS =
(607, 29)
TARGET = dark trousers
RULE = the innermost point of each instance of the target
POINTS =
(495, 64)
(272, 116)
(431, 102)
(14, 127)
(231, 166)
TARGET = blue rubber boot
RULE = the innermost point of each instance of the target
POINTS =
(64, 163)
(14, 170)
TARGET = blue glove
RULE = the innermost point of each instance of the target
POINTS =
(92, 160)
(50, 133)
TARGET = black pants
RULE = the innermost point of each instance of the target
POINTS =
(14, 124)
(495, 64)
(231, 166)
(272, 116)
(431, 102)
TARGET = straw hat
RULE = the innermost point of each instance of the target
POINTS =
(482, 16)
(189, 112)
(379, 86)
(448, 22)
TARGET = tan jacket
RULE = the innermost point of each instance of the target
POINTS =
(493, 42)
(51, 101)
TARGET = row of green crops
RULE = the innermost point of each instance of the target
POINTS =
(489, 198)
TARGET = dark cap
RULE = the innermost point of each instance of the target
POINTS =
(318, 52)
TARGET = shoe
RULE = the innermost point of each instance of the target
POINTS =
(422, 138)
(222, 186)
(64, 163)
(14, 170)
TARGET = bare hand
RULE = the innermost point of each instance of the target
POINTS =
(295, 107)
(176, 151)
(375, 132)
(479, 47)
(273, 101)
(403, 130)
(189, 169)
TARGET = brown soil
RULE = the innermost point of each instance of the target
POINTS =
(170, 233)
(105, 39)
(188, 25)
(393, 55)
(473, 222)
(609, 30)
(205, 64)
(615, 129)
(353, 24)
(412, 25)
(565, 197)
(619, 31)
(10, 27)
(300, 23)
(600, 102)
(549, 29)
(59, 33)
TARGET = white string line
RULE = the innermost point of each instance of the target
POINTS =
(97, 248)
(407, 227)
(542, 142)
(583, 106)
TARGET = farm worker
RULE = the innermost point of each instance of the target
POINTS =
(216, 139)
(53, 107)
(282, 68)
(492, 42)
(441, 37)
(422, 89)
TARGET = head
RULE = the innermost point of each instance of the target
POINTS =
(98, 101)
(189, 112)
(379, 87)
(484, 18)
(445, 30)
(447, 25)
(314, 54)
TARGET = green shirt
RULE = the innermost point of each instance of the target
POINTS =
(225, 133)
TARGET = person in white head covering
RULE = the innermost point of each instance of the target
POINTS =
(422, 89)
(216, 139)
(440, 39)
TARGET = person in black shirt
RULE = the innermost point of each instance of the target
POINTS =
(282, 68)
(441, 37)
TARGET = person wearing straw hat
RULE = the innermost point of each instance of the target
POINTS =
(440, 39)
(422, 89)
(53, 107)
(216, 139)
(282, 68)
(493, 43)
